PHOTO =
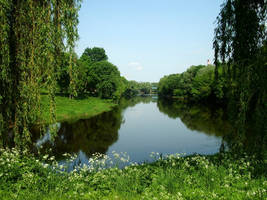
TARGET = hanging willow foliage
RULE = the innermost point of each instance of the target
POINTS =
(34, 33)
(240, 45)
(240, 31)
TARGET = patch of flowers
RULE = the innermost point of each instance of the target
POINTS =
(221, 176)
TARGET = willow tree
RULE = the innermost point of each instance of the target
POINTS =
(240, 45)
(34, 33)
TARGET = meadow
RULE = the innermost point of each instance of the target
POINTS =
(220, 176)
(72, 109)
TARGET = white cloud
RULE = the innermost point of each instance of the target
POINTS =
(136, 65)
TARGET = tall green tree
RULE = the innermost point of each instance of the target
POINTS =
(104, 80)
(33, 35)
(240, 44)
(63, 75)
(94, 54)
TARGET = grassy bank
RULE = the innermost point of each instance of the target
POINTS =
(194, 177)
(73, 109)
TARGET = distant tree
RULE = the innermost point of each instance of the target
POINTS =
(186, 79)
(168, 84)
(144, 87)
(194, 84)
(202, 83)
(82, 77)
(63, 75)
(95, 54)
(103, 79)
(131, 88)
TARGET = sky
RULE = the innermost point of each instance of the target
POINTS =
(147, 39)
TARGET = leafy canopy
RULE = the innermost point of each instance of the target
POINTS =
(33, 36)
(94, 54)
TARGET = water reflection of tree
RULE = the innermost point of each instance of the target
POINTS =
(207, 119)
(89, 136)
(126, 103)
(214, 120)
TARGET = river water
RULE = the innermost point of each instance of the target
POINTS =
(140, 126)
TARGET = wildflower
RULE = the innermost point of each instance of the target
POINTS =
(52, 158)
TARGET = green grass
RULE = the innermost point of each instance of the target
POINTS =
(221, 176)
(72, 109)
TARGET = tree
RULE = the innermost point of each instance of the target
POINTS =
(168, 84)
(87, 80)
(181, 85)
(63, 75)
(144, 87)
(240, 44)
(33, 35)
(202, 83)
(131, 88)
(103, 76)
(95, 54)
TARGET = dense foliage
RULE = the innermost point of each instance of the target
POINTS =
(240, 43)
(104, 79)
(33, 35)
(142, 88)
(95, 76)
(63, 75)
(196, 84)
(94, 54)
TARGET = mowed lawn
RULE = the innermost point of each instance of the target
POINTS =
(72, 109)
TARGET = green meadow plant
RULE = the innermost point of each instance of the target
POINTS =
(221, 176)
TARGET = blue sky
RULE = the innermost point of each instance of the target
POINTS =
(147, 39)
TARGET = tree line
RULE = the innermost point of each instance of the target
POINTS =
(96, 76)
(239, 69)
(195, 84)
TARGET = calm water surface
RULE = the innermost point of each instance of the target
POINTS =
(140, 126)
(148, 130)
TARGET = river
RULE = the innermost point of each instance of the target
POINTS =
(140, 126)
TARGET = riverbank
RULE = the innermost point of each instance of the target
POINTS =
(221, 176)
(72, 109)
